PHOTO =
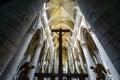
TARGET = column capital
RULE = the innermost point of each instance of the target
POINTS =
(77, 58)
(84, 45)
(90, 30)
(40, 44)
(32, 31)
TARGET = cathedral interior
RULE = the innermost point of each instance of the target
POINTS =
(61, 39)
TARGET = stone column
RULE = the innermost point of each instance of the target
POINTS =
(89, 61)
(35, 60)
(70, 60)
(104, 57)
(45, 62)
(10, 70)
(76, 60)
(51, 64)
(81, 62)
(73, 61)
(66, 67)
(56, 63)
(95, 60)
(87, 55)
(28, 58)
(43, 70)
(77, 66)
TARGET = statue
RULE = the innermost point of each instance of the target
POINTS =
(100, 71)
(24, 71)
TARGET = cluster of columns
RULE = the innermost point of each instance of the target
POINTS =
(101, 55)
(11, 69)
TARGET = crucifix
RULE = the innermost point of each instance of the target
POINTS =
(60, 49)
(60, 74)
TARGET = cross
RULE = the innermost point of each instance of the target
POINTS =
(60, 49)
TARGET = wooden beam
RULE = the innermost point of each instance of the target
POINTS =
(63, 75)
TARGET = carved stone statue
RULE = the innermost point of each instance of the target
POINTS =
(24, 71)
(100, 71)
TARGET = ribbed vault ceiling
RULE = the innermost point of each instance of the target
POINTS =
(61, 15)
